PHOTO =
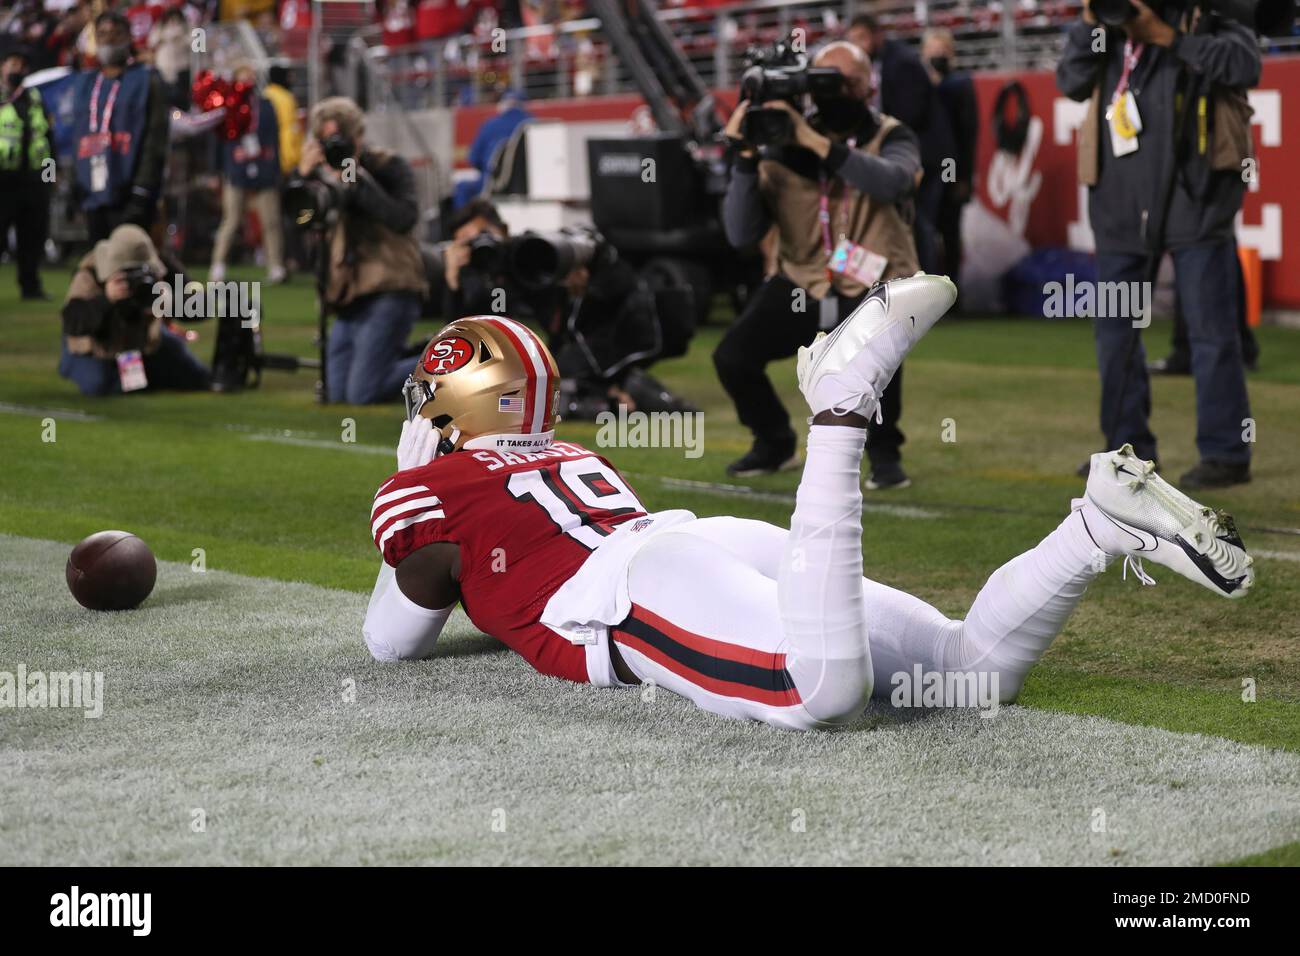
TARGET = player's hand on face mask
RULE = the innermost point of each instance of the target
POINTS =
(418, 445)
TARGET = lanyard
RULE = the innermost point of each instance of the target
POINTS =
(108, 107)
(1131, 56)
(824, 213)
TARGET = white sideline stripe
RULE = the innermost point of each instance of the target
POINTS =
(1020, 788)
(405, 508)
(1276, 555)
(322, 443)
(752, 494)
(406, 523)
(36, 411)
(742, 491)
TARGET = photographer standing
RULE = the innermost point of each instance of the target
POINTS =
(25, 149)
(120, 127)
(839, 195)
(1136, 150)
(112, 340)
(375, 275)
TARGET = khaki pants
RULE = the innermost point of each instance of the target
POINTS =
(267, 204)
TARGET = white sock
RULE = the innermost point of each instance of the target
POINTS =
(1025, 603)
(819, 583)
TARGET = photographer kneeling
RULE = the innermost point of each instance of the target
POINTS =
(374, 276)
(600, 319)
(476, 278)
(112, 340)
(840, 195)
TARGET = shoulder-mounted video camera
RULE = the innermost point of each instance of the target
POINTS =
(779, 72)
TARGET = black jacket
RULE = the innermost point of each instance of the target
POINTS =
(957, 97)
(907, 94)
(1124, 204)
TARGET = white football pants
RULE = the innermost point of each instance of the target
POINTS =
(749, 620)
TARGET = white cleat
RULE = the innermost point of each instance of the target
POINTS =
(847, 370)
(1168, 527)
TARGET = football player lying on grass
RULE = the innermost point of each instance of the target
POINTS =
(552, 553)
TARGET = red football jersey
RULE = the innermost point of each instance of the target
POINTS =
(525, 523)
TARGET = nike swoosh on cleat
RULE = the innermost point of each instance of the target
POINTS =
(1132, 533)
(1206, 566)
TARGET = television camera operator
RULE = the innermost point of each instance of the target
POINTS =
(113, 339)
(603, 323)
(1163, 149)
(838, 185)
(361, 204)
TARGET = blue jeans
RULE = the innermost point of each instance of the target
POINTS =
(366, 361)
(171, 366)
(1207, 278)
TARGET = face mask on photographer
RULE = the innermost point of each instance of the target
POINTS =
(13, 79)
(113, 54)
(942, 65)
(841, 114)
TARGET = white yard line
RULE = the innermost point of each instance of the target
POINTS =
(716, 488)
(1277, 555)
(35, 411)
(335, 445)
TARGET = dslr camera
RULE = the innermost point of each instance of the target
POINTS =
(779, 72)
(141, 281)
(312, 201)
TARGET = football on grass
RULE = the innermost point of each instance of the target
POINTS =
(111, 571)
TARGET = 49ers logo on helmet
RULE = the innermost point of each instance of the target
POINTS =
(447, 355)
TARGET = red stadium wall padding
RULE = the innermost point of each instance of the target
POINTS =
(1051, 212)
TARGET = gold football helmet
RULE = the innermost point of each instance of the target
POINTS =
(486, 382)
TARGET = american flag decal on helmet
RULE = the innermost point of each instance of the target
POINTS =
(510, 403)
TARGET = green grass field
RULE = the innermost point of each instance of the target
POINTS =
(226, 690)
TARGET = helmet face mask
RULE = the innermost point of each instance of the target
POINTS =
(415, 393)
(490, 382)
